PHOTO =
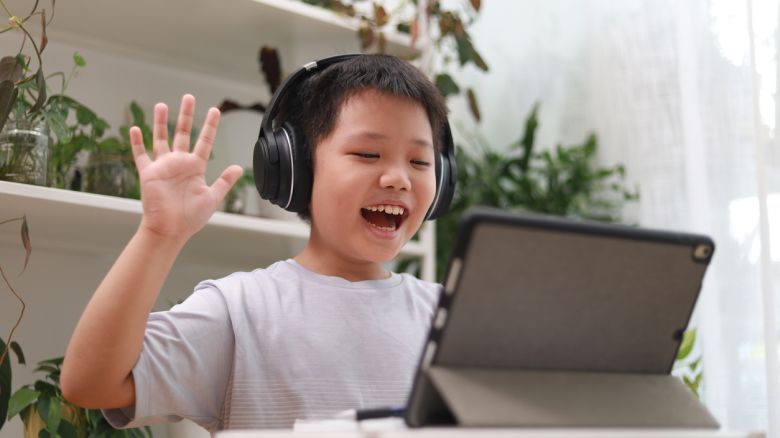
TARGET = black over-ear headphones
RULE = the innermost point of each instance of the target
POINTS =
(282, 174)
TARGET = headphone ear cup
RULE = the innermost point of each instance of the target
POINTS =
(265, 165)
(446, 177)
(296, 175)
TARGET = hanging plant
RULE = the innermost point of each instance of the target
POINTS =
(448, 30)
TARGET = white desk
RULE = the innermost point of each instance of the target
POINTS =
(496, 433)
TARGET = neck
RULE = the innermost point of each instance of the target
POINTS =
(329, 263)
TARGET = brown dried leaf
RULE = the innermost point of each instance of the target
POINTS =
(447, 23)
(415, 31)
(10, 69)
(44, 38)
(271, 67)
(26, 241)
(473, 105)
(366, 36)
(459, 29)
(382, 43)
(380, 15)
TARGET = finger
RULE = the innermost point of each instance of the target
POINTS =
(160, 130)
(181, 138)
(207, 134)
(139, 151)
(225, 181)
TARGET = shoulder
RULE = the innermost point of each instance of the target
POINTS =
(426, 290)
(249, 281)
(256, 292)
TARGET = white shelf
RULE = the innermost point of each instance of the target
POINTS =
(219, 37)
(64, 220)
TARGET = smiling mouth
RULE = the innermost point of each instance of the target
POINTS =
(385, 218)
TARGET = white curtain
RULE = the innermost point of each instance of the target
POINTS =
(684, 94)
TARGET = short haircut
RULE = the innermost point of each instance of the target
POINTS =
(315, 106)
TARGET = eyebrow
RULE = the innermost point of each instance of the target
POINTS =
(370, 135)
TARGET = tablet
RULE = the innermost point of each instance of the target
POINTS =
(546, 294)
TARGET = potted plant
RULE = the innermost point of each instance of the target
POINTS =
(9, 344)
(31, 116)
(46, 413)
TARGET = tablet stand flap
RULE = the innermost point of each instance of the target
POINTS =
(512, 398)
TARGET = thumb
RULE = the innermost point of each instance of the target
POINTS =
(226, 180)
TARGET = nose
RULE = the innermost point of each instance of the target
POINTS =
(395, 177)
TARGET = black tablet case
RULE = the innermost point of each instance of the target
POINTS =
(560, 323)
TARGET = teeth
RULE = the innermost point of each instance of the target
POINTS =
(383, 228)
(389, 209)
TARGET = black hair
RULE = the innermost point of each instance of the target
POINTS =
(315, 106)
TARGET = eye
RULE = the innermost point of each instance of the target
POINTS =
(366, 155)
(421, 163)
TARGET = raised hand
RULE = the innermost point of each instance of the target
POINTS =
(177, 201)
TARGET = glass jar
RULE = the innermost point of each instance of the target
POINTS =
(110, 173)
(24, 152)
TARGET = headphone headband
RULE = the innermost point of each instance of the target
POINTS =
(292, 81)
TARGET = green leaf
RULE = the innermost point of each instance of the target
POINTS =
(17, 349)
(464, 49)
(78, 59)
(446, 85)
(54, 415)
(137, 113)
(43, 433)
(5, 384)
(476, 58)
(84, 115)
(43, 406)
(67, 430)
(48, 369)
(54, 361)
(45, 388)
(21, 399)
(688, 341)
(467, 53)
(40, 84)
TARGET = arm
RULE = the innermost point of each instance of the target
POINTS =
(177, 203)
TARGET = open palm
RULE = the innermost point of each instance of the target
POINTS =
(176, 200)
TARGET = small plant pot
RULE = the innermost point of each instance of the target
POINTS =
(24, 152)
(110, 174)
(235, 200)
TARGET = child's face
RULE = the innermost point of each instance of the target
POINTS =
(380, 153)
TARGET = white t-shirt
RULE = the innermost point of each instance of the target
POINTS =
(261, 349)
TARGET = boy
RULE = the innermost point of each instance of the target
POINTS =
(307, 337)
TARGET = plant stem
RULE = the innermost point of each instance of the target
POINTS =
(18, 320)
(35, 46)
(7, 11)
(34, 8)
(11, 220)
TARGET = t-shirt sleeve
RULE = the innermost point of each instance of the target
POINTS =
(184, 366)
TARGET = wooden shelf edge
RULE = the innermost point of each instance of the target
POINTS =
(131, 208)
